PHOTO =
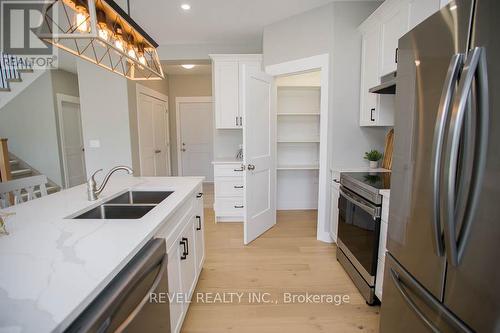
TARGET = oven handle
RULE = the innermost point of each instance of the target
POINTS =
(373, 211)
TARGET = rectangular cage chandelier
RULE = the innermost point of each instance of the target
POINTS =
(101, 32)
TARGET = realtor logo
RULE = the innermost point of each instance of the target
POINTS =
(20, 22)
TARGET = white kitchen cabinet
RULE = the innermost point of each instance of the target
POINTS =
(229, 192)
(420, 10)
(334, 215)
(186, 254)
(188, 259)
(175, 288)
(226, 69)
(226, 74)
(370, 74)
(394, 24)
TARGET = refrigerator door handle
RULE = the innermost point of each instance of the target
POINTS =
(475, 71)
(456, 64)
(398, 283)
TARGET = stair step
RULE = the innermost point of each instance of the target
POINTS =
(5, 89)
(13, 162)
(21, 173)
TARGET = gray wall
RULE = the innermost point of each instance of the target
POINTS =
(300, 36)
(345, 89)
(184, 86)
(30, 122)
(331, 29)
(105, 117)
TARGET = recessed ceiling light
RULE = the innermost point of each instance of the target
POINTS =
(188, 66)
(186, 6)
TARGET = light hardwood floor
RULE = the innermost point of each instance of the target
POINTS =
(286, 259)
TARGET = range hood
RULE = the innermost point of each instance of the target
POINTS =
(387, 85)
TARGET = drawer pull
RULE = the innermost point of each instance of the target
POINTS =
(199, 223)
(199, 195)
(239, 170)
(238, 186)
(239, 206)
(184, 251)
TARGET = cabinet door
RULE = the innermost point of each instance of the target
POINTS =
(422, 9)
(370, 75)
(226, 94)
(188, 261)
(394, 26)
(334, 213)
(175, 287)
(199, 231)
(199, 239)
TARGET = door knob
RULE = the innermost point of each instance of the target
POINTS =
(183, 150)
(157, 151)
(251, 167)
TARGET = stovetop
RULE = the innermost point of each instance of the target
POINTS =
(377, 180)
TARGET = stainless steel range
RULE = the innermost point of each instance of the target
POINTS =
(360, 206)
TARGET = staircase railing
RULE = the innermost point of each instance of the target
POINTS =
(5, 174)
(10, 69)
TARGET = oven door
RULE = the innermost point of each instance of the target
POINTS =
(358, 233)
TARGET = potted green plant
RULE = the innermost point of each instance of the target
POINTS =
(373, 156)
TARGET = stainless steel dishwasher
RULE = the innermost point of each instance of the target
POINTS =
(124, 305)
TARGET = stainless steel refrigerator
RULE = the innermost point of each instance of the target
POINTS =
(442, 272)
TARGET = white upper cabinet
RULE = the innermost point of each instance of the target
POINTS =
(422, 9)
(226, 94)
(394, 25)
(380, 35)
(226, 83)
(370, 74)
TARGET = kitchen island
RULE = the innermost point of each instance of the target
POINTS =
(54, 266)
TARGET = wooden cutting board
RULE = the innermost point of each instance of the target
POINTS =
(389, 146)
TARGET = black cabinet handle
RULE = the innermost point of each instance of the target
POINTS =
(372, 117)
(396, 55)
(239, 206)
(187, 245)
(199, 222)
(239, 186)
(239, 170)
(199, 195)
(184, 253)
(336, 181)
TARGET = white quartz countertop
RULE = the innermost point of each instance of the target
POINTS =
(53, 267)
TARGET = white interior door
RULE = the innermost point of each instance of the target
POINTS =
(160, 123)
(259, 142)
(196, 139)
(146, 135)
(153, 136)
(72, 143)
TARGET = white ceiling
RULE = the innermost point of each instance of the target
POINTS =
(214, 21)
(177, 69)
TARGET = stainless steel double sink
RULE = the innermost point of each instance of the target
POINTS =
(129, 205)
